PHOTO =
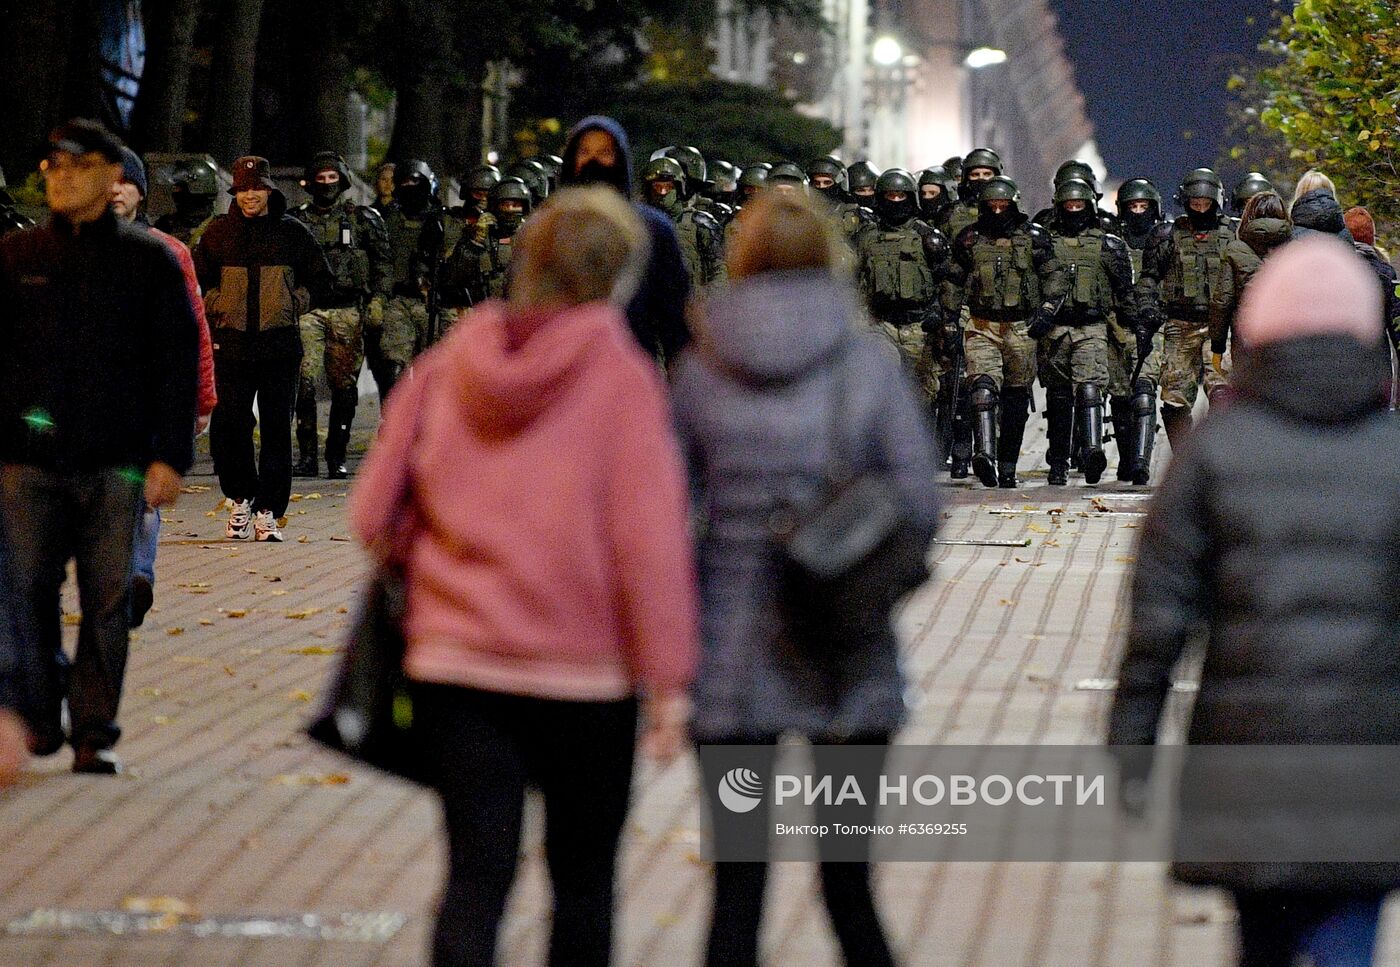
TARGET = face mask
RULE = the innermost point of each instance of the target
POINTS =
(1137, 223)
(1201, 220)
(996, 222)
(594, 172)
(189, 204)
(323, 194)
(832, 193)
(508, 223)
(971, 190)
(411, 195)
(894, 212)
(670, 202)
(932, 206)
(1076, 222)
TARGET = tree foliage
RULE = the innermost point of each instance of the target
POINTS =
(1332, 93)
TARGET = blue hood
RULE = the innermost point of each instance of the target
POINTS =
(598, 122)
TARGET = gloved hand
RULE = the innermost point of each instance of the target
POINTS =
(1144, 342)
(1041, 322)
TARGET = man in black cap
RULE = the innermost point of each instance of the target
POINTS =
(261, 270)
(98, 357)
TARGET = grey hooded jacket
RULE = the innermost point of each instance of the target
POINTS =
(754, 411)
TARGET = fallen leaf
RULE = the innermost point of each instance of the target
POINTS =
(72, 619)
(303, 614)
(315, 650)
(228, 670)
(1125, 560)
(191, 660)
(1006, 602)
(308, 779)
(341, 537)
(250, 570)
(250, 651)
(160, 905)
(1051, 542)
(294, 497)
(1036, 528)
(205, 621)
(342, 610)
(160, 720)
(172, 632)
(282, 521)
(152, 692)
(303, 539)
(300, 695)
(236, 613)
(195, 489)
(313, 496)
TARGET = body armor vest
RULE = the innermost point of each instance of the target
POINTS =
(1083, 255)
(896, 268)
(340, 231)
(1191, 275)
(1003, 275)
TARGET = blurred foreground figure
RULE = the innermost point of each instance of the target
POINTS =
(1290, 567)
(537, 621)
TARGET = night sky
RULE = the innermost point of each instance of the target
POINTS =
(1152, 70)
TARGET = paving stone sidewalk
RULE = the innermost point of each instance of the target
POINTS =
(227, 811)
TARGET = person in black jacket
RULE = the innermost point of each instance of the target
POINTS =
(261, 271)
(597, 152)
(98, 367)
(1289, 568)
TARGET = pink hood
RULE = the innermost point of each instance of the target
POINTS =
(551, 553)
(1315, 286)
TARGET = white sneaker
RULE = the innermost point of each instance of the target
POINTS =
(265, 527)
(240, 521)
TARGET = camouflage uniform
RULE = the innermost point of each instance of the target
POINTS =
(997, 268)
(416, 240)
(356, 245)
(900, 270)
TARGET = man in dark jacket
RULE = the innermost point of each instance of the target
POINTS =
(597, 152)
(97, 408)
(261, 271)
(1295, 594)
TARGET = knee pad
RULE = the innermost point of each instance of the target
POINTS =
(984, 393)
(1087, 394)
(1145, 387)
(1144, 404)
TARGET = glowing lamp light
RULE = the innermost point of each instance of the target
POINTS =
(887, 51)
(984, 57)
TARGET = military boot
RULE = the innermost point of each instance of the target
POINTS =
(962, 438)
(984, 430)
(1121, 410)
(307, 442)
(1177, 420)
(343, 403)
(1059, 415)
(1144, 431)
(1015, 410)
(1088, 407)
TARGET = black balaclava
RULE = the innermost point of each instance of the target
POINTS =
(1206, 220)
(324, 195)
(412, 194)
(1075, 223)
(894, 213)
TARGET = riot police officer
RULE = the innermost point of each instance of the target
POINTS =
(938, 191)
(479, 264)
(827, 177)
(723, 189)
(1246, 188)
(415, 221)
(1081, 171)
(469, 219)
(1134, 406)
(752, 180)
(1096, 279)
(902, 261)
(536, 178)
(193, 191)
(356, 245)
(552, 165)
(701, 238)
(1173, 294)
(980, 166)
(860, 182)
(788, 178)
(998, 265)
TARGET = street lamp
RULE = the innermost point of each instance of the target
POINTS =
(981, 57)
(887, 52)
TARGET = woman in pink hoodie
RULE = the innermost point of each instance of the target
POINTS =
(527, 476)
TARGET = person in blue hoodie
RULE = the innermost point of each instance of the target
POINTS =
(597, 152)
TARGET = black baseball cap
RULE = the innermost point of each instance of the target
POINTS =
(82, 136)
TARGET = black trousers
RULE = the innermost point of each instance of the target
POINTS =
(487, 748)
(46, 520)
(264, 367)
(739, 887)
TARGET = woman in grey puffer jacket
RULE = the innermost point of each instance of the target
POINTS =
(1275, 532)
(753, 404)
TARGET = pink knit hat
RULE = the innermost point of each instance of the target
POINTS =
(1317, 285)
